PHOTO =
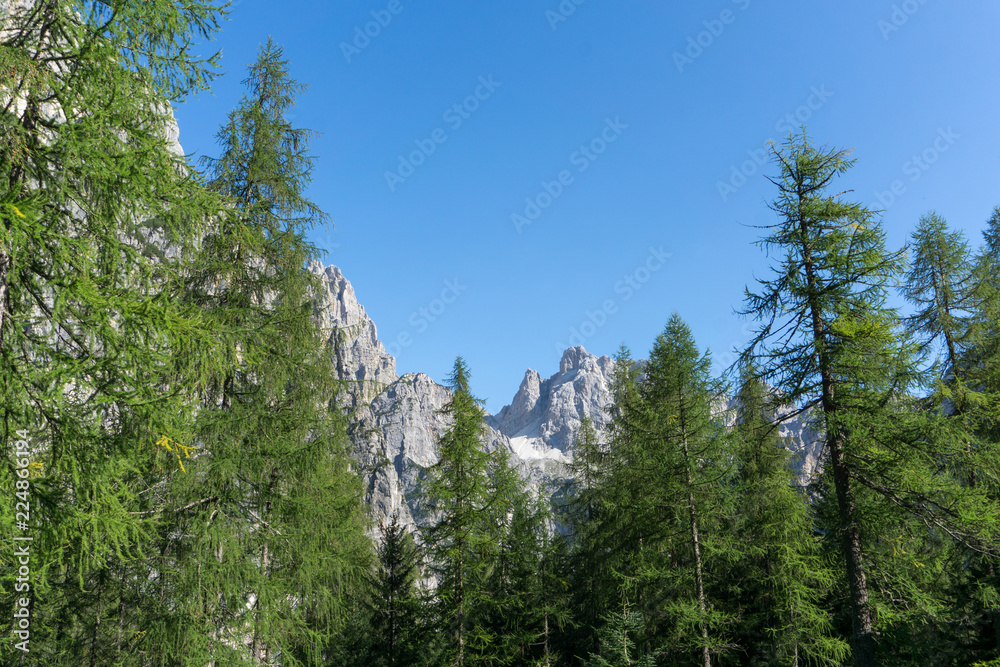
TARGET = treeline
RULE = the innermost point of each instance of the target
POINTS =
(176, 450)
(178, 485)
(685, 538)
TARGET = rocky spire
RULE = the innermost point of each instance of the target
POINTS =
(359, 356)
(545, 415)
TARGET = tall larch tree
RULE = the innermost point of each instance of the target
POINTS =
(269, 510)
(665, 505)
(597, 516)
(514, 612)
(940, 283)
(987, 280)
(781, 580)
(99, 216)
(981, 592)
(827, 339)
(682, 463)
(951, 294)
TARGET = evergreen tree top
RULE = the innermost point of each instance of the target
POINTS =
(265, 166)
(941, 285)
(991, 237)
(462, 397)
(833, 265)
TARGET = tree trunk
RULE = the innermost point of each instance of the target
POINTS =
(546, 635)
(795, 642)
(261, 651)
(460, 603)
(995, 612)
(97, 620)
(706, 655)
(863, 640)
(4, 294)
(625, 631)
(461, 622)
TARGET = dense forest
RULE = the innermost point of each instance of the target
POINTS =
(177, 461)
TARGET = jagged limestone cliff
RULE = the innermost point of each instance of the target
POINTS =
(396, 421)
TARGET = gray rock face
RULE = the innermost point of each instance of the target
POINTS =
(397, 421)
(802, 440)
(171, 132)
(359, 356)
(395, 442)
(395, 439)
(545, 415)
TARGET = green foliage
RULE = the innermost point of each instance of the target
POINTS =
(828, 338)
(498, 596)
(781, 578)
(91, 327)
(940, 283)
(270, 504)
(584, 518)
(659, 505)
(459, 545)
(617, 642)
(192, 498)
(399, 636)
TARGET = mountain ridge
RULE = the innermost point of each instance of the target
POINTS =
(397, 420)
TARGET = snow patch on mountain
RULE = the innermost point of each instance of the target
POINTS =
(545, 415)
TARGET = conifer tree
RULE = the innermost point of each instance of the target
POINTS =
(458, 490)
(939, 282)
(583, 518)
(825, 240)
(984, 352)
(550, 600)
(986, 264)
(589, 473)
(269, 509)
(596, 552)
(979, 584)
(617, 641)
(514, 529)
(396, 605)
(665, 501)
(682, 459)
(782, 577)
(95, 345)
(828, 339)
(954, 297)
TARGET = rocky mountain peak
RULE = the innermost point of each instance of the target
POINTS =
(397, 421)
(578, 359)
(360, 357)
(545, 415)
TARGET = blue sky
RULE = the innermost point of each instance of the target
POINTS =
(504, 175)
